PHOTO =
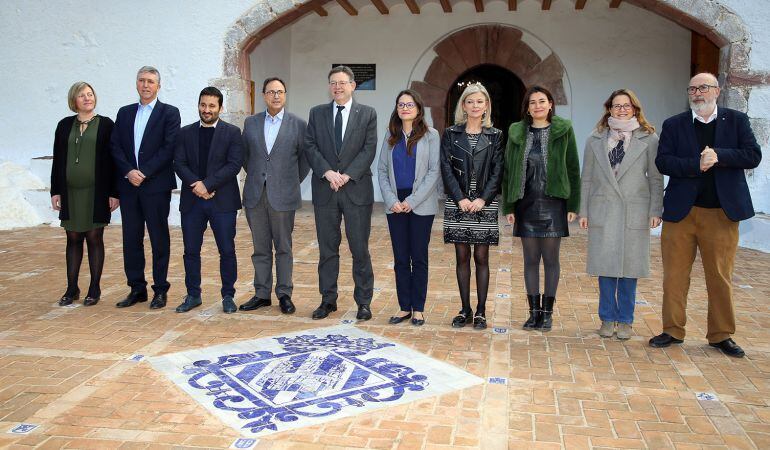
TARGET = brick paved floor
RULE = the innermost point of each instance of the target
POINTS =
(66, 369)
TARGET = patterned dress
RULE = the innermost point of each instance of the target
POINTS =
(471, 228)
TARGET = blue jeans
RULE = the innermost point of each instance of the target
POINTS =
(194, 224)
(617, 297)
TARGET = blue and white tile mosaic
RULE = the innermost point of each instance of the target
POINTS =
(268, 385)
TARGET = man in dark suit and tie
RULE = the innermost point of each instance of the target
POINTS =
(275, 165)
(705, 152)
(142, 147)
(207, 158)
(340, 144)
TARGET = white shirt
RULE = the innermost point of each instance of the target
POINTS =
(345, 115)
(272, 126)
(700, 119)
(214, 125)
(143, 113)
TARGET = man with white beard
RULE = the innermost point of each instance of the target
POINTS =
(704, 151)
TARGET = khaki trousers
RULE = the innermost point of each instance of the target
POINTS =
(716, 236)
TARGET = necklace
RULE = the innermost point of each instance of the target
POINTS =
(81, 130)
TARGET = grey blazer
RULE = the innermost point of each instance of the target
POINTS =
(619, 209)
(427, 173)
(359, 146)
(282, 170)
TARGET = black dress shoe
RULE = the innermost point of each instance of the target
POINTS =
(729, 348)
(254, 303)
(461, 319)
(228, 305)
(90, 301)
(364, 313)
(132, 298)
(323, 310)
(418, 322)
(159, 301)
(398, 319)
(69, 297)
(664, 340)
(189, 303)
(286, 305)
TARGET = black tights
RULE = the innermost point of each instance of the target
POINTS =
(534, 249)
(95, 242)
(481, 258)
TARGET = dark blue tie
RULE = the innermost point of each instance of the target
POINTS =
(338, 129)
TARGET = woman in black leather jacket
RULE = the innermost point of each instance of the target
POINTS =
(471, 169)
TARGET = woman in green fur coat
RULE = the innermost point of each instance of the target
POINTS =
(541, 194)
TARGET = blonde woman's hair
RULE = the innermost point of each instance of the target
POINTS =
(72, 95)
(473, 88)
(638, 111)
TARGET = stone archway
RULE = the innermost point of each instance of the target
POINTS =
(707, 17)
(500, 45)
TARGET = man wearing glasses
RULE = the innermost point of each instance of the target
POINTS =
(340, 144)
(704, 151)
(275, 166)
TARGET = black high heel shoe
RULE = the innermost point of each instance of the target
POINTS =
(92, 299)
(462, 319)
(479, 321)
(69, 297)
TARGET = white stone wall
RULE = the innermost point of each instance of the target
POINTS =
(48, 45)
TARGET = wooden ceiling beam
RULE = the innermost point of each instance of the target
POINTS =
(446, 6)
(580, 4)
(319, 10)
(546, 5)
(380, 6)
(512, 5)
(412, 5)
(479, 4)
(614, 3)
(348, 7)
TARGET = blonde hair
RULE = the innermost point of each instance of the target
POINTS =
(638, 111)
(72, 95)
(473, 88)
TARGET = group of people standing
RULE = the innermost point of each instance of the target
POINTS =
(535, 176)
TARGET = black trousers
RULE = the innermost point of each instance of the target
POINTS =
(138, 209)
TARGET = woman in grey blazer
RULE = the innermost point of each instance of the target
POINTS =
(409, 174)
(622, 199)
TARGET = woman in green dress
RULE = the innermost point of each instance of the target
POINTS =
(83, 187)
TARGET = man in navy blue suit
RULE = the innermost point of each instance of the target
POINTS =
(208, 157)
(705, 152)
(143, 147)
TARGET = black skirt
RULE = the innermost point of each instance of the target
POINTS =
(538, 214)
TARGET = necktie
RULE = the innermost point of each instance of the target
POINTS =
(616, 154)
(338, 129)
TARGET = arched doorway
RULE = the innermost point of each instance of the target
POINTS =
(504, 87)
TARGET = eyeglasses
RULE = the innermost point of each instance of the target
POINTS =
(409, 105)
(339, 83)
(627, 107)
(277, 93)
(703, 88)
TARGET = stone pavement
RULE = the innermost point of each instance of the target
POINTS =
(68, 370)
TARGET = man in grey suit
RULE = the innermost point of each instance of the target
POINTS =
(275, 166)
(340, 144)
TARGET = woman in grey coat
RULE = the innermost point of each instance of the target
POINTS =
(622, 199)
(408, 172)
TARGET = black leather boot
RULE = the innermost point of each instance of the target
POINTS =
(534, 312)
(546, 318)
